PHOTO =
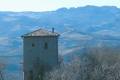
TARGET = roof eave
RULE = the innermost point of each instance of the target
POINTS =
(41, 36)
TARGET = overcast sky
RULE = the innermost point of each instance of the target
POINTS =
(49, 5)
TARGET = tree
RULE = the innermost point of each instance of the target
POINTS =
(2, 66)
(98, 63)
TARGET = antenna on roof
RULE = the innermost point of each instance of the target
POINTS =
(53, 30)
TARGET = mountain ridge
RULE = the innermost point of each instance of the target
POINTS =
(83, 23)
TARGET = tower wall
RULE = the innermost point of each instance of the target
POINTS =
(39, 52)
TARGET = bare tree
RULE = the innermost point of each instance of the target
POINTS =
(98, 63)
(2, 66)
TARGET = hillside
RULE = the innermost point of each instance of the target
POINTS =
(78, 27)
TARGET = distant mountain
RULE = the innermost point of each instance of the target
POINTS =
(79, 27)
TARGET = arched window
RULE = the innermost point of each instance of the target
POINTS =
(46, 45)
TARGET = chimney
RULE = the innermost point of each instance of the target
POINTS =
(53, 30)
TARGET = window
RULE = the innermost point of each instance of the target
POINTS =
(45, 45)
(33, 45)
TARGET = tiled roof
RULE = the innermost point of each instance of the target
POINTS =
(41, 32)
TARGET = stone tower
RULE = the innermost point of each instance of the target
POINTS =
(40, 50)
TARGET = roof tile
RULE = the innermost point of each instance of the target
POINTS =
(41, 32)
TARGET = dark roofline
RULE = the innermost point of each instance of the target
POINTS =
(38, 36)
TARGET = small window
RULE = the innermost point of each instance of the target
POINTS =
(33, 45)
(46, 45)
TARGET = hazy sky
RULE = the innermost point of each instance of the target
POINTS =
(48, 5)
